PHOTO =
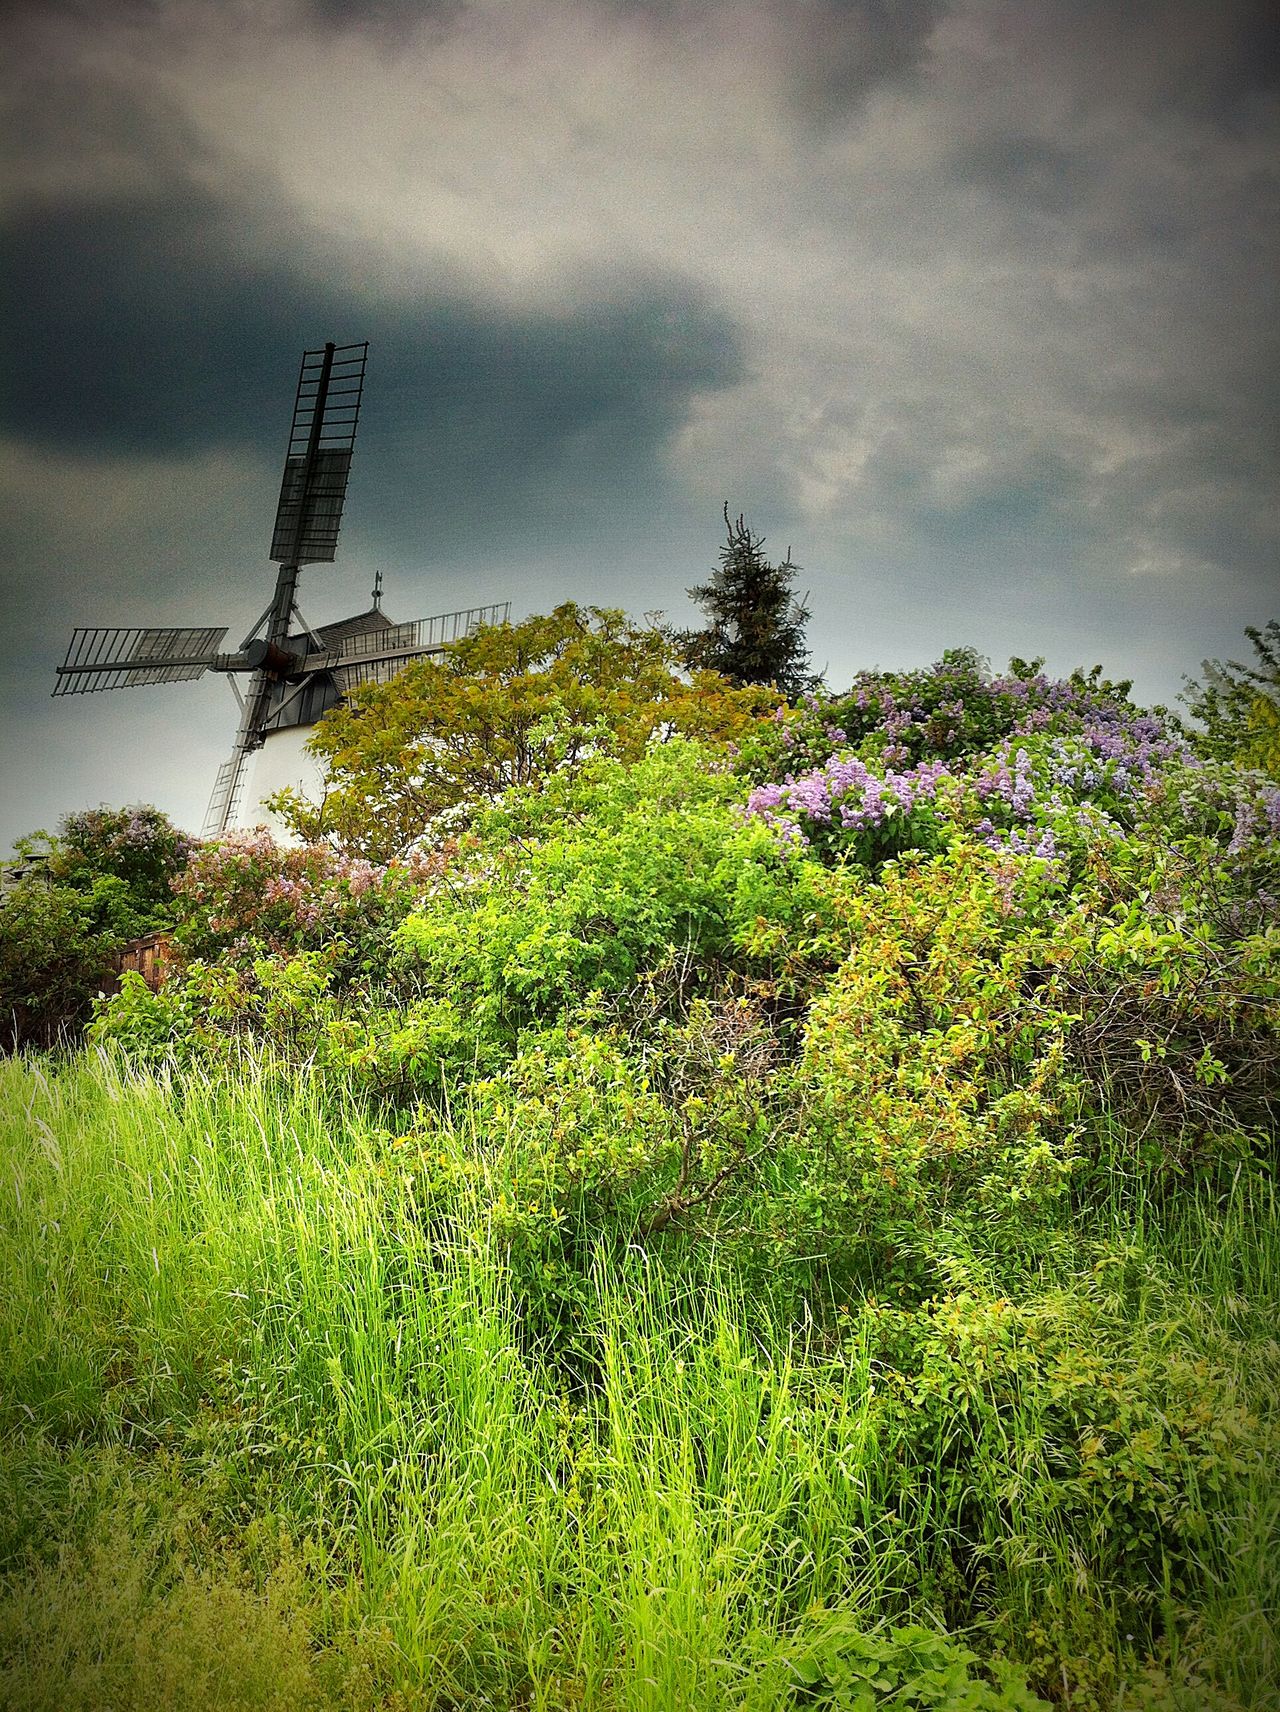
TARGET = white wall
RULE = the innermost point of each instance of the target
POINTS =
(282, 760)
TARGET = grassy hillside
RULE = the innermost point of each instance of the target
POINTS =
(277, 1435)
(774, 1225)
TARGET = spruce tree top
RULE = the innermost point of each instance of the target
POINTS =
(756, 629)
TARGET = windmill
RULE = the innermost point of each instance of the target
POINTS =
(294, 672)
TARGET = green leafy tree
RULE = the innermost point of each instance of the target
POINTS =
(756, 629)
(127, 860)
(53, 960)
(507, 706)
(103, 879)
(1239, 705)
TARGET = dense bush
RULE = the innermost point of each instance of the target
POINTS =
(507, 706)
(944, 712)
(915, 1020)
(138, 846)
(907, 1670)
(105, 878)
(53, 959)
(246, 896)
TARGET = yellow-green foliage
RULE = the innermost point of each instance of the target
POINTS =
(933, 1063)
(137, 1619)
(507, 706)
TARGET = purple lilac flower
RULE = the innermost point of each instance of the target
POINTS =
(846, 787)
(1257, 817)
(1271, 812)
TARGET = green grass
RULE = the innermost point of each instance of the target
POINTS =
(280, 1432)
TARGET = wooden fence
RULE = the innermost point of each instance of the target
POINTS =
(146, 957)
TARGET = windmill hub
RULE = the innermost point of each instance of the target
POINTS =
(259, 655)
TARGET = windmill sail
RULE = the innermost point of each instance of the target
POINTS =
(322, 438)
(107, 659)
(227, 790)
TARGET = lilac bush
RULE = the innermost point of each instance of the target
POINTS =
(1033, 766)
(246, 895)
(139, 845)
(845, 801)
(950, 711)
(1039, 794)
(1257, 817)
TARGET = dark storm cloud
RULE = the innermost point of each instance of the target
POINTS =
(376, 14)
(145, 328)
(136, 329)
(501, 423)
(1150, 55)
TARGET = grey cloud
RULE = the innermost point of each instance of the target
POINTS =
(831, 52)
(1037, 172)
(86, 123)
(951, 477)
(504, 427)
(394, 20)
(19, 15)
(844, 48)
(145, 328)
(1149, 55)
(31, 25)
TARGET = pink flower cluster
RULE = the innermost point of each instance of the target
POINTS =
(247, 889)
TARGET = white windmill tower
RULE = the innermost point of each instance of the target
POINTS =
(294, 671)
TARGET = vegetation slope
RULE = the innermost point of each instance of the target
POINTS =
(779, 1214)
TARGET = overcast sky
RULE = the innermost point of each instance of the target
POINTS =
(973, 305)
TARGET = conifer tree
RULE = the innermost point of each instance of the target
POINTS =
(756, 629)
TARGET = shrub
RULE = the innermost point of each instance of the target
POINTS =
(246, 897)
(282, 1002)
(53, 959)
(933, 1074)
(138, 846)
(1044, 1420)
(1050, 790)
(104, 879)
(949, 712)
(600, 884)
(1177, 1034)
(844, 805)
